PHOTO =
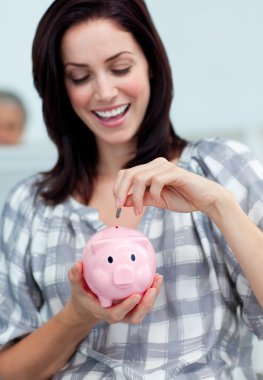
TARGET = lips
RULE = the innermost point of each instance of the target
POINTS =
(112, 114)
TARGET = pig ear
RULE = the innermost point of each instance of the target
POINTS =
(141, 241)
(99, 245)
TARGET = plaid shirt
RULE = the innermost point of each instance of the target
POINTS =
(203, 321)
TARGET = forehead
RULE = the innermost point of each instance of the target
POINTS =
(99, 37)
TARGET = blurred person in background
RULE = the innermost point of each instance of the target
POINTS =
(12, 118)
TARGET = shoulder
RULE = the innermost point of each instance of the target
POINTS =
(222, 150)
(23, 192)
(233, 165)
(17, 217)
(223, 160)
(22, 203)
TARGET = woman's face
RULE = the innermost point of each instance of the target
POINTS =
(106, 78)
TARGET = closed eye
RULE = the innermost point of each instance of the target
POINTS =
(80, 80)
(120, 72)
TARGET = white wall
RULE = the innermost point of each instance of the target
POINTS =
(216, 51)
(18, 21)
(216, 48)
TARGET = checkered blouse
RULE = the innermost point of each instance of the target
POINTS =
(205, 316)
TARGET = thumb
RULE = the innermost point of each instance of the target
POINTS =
(75, 273)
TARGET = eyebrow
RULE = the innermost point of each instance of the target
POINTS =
(106, 61)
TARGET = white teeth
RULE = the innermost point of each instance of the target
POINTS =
(113, 113)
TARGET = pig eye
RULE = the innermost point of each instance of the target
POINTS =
(132, 257)
(110, 259)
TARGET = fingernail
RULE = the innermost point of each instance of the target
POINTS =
(74, 269)
(160, 279)
(137, 299)
(152, 292)
(157, 200)
(137, 211)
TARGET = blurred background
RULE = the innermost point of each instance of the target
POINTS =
(216, 53)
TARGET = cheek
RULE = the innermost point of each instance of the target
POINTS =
(78, 96)
(138, 88)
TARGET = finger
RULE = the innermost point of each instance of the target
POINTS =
(157, 282)
(117, 313)
(144, 307)
(124, 179)
(170, 179)
(150, 183)
(134, 308)
(147, 201)
(147, 302)
(75, 274)
(160, 179)
(124, 185)
(137, 179)
(118, 202)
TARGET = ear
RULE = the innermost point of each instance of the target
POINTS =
(141, 241)
(100, 245)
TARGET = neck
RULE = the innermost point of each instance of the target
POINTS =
(113, 158)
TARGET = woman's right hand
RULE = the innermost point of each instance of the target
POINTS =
(87, 308)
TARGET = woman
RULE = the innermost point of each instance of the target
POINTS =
(103, 75)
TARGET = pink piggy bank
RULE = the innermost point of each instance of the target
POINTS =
(118, 262)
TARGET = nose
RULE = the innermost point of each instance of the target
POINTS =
(123, 275)
(105, 89)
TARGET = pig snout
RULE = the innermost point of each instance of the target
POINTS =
(123, 276)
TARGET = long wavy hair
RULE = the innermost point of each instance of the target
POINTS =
(75, 169)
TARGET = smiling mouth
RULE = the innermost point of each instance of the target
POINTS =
(113, 113)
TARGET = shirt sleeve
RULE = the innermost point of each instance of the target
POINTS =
(237, 168)
(20, 298)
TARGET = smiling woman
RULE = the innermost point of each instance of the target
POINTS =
(105, 82)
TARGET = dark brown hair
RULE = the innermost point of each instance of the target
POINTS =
(77, 152)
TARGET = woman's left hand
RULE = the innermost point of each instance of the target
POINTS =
(163, 184)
